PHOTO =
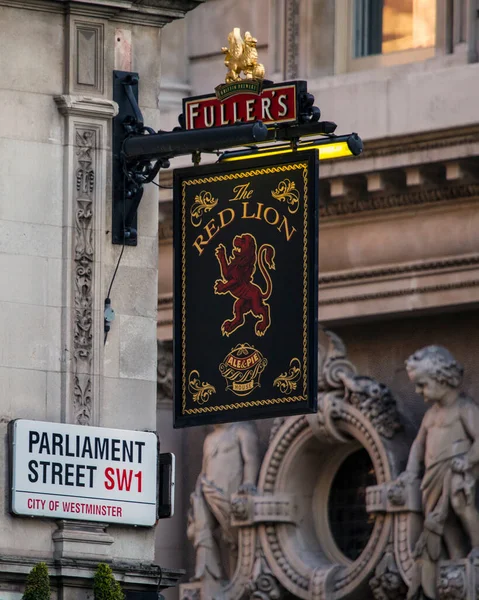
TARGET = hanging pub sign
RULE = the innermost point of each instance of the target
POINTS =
(246, 280)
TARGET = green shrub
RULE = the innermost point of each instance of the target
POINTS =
(105, 586)
(38, 583)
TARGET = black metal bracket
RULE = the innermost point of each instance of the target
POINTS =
(128, 176)
(139, 152)
(126, 196)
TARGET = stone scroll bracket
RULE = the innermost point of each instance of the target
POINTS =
(247, 510)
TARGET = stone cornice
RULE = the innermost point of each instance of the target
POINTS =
(165, 302)
(371, 202)
(81, 570)
(86, 106)
(350, 205)
(422, 141)
(147, 12)
(455, 263)
(409, 291)
(405, 144)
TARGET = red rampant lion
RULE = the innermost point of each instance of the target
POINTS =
(237, 274)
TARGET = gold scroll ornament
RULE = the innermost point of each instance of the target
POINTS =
(200, 391)
(288, 382)
(203, 203)
(287, 192)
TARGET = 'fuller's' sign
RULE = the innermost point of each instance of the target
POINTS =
(276, 103)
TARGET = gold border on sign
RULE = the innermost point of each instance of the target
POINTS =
(228, 177)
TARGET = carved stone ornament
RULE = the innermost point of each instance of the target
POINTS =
(278, 537)
(83, 278)
(304, 455)
(387, 583)
(452, 583)
(264, 585)
(445, 193)
(292, 39)
(266, 532)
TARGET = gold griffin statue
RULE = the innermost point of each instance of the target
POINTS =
(242, 56)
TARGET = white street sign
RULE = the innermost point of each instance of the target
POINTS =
(89, 473)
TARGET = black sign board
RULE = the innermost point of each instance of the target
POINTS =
(246, 280)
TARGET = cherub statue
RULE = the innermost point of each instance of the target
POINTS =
(447, 448)
(230, 465)
(242, 56)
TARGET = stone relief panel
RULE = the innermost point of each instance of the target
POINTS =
(86, 127)
(83, 277)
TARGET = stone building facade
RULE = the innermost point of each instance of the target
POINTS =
(57, 263)
(398, 272)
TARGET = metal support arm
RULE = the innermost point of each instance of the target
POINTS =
(139, 152)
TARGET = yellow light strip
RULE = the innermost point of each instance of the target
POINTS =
(326, 151)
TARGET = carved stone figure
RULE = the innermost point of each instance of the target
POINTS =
(230, 465)
(447, 446)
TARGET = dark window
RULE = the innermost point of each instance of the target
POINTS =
(350, 524)
(384, 26)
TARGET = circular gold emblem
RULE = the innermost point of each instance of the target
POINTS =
(242, 369)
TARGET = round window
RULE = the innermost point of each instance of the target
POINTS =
(350, 524)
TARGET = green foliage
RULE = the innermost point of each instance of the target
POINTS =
(105, 586)
(38, 583)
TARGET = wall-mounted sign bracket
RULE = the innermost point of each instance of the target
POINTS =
(139, 152)
(128, 179)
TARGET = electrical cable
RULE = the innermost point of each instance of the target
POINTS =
(164, 187)
(116, 269)
(107, 299)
